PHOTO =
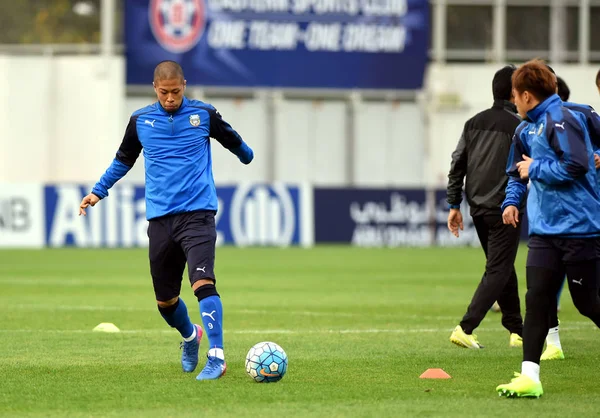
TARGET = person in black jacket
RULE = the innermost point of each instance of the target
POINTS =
(481, 156)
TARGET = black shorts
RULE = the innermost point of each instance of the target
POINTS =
(175, 239)
(554, 252)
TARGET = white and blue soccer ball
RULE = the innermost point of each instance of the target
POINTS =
(266, 362)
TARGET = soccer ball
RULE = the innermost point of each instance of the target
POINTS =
(266, 362)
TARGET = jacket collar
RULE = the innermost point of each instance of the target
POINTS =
(543, 107)
(183, 104)
(505, 104)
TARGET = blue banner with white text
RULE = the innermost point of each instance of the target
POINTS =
(372, 217)
(249, 214)
(366, 44)
(469, 235)
(382, 217)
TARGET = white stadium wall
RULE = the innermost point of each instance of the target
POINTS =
(73, 114)
(375, 180)
(472, 85)
(26, 117)
(310, 142)
(62, 119)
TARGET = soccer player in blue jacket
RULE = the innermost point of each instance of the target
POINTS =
(592, 119)
(181, 202)
(563, 208)
(554, 349)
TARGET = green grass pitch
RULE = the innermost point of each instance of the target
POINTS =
(359, 327)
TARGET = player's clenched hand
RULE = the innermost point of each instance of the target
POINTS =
(597, 161)
(455, 221)
(523, 166)
(510, 216)
(89, 200)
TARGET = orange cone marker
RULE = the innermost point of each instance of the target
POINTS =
(435, 374)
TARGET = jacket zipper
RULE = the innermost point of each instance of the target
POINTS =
(172, 124)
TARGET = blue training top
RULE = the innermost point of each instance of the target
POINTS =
(177, 155)
(564, 199)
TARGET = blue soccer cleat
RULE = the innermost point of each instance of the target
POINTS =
(189, 356)
(214, 368)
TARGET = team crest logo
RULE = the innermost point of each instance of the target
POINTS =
(195, 120)
(177, 25)
(540, 129)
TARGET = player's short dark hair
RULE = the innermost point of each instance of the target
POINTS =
(535, 77)
(598, 78)
(563, 90)
(502, 83)
(168, 70)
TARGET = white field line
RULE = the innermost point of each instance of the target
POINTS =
(27, 280)
(91, 308)
(283, 331)
(124, 308)
(343, 314)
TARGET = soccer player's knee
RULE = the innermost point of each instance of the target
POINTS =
(170, 304)
(536, 297)
(206, 291)
(498, 277)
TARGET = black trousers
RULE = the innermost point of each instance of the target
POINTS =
(560, 274)
(559, 277)
(547, 260)
(499, 282)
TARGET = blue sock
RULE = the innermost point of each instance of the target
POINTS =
(211, 311)
(177, 317)
(562, 286)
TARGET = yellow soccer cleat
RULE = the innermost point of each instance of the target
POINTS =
(521, 386)
(460, 338)
(515, 341)
(552, 352)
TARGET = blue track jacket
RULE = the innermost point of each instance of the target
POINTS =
(564, 199)
(177, 156)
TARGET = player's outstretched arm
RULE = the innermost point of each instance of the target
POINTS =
(126, 156)
(228, 137)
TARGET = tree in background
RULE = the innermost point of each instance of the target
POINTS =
(52, 21)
